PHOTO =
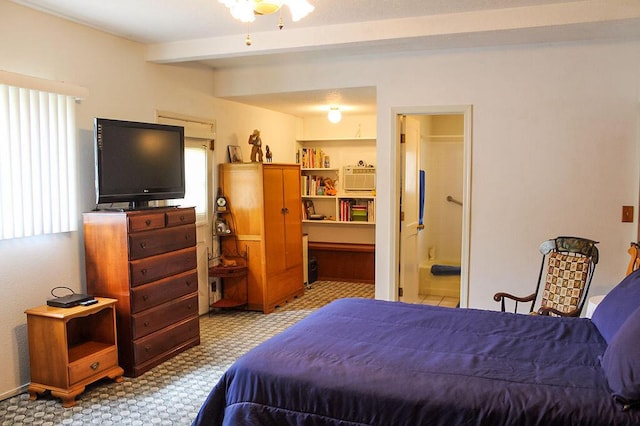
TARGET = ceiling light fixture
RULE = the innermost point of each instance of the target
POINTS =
(246, 10)
(334, 115)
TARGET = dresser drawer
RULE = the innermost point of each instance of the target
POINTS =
(94, 364)
(161, 316)
(158, 343)
(145, 222)
(181, 217)
(163, 265)
(158, 292)
(144, 244)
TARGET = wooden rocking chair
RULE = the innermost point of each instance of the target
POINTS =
(634, 252)
(565, 275)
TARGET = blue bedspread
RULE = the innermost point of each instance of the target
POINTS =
(368, 362)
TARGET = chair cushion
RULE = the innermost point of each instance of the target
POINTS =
(565, 281)
(621, 361)
(617, 305)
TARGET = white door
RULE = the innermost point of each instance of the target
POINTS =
(197, 195)
(409, 280)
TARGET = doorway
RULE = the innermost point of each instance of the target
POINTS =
(434, 215)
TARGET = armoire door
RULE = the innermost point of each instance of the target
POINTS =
(293, 216)
(274, 223)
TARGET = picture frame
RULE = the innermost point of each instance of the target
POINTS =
(235, 154)
(309, 208)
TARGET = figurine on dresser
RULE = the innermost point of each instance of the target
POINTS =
(256, 146)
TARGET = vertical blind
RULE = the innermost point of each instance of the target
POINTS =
(37, 163)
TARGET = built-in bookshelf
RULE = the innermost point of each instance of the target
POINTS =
(325, 200)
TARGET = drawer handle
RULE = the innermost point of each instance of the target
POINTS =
(95, 366)
(147, 348)
(188, 283)
(143, 245)
(146, 323)
(147, 222)
(143, 272)
(190, 306)
(181, 218)
(145, 297)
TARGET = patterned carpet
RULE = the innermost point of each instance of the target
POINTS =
(172, 393)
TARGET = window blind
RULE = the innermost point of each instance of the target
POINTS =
(37, 163)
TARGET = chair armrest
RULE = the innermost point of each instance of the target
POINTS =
(546, 311)
(499, 296)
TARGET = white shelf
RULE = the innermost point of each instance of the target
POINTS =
(336, 140)
(446, 137)
(343, 196)
(339, 222)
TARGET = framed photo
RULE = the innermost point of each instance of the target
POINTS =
(235, 154)
(309, 208)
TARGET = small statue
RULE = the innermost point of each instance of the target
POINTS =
(330, 187)
(268, 154)
(256, 149)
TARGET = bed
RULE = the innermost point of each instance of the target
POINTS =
(370, 362)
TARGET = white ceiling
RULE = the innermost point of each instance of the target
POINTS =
(162, 21)
(179, 31)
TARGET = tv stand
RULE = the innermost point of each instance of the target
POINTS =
(133, 209)
(138, 205)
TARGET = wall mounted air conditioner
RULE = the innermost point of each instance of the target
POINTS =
(359, 178)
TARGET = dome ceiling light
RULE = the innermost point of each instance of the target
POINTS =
(247, 10)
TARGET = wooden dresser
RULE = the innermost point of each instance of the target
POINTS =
(146, 260)
(266, 202)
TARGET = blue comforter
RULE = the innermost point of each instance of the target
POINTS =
(369, 362)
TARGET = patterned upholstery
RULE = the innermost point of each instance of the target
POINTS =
(565, 281)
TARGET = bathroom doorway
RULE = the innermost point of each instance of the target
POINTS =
(434, 181)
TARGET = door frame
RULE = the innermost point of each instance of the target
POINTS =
(467, 112)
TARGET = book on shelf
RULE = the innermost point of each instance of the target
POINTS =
(312, 185)
(356, 210)
(314, 158)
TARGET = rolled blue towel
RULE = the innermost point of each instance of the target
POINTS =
(445, 270)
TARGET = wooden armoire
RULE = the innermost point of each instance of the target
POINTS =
(266, 202)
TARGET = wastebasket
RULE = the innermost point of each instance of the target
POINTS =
(313, 269)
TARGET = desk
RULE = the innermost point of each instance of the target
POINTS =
(593, 303)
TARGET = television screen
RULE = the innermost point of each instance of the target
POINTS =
(138, 162)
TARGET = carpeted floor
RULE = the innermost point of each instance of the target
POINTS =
(172, 393)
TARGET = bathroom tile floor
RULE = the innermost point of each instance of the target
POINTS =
(428, 299)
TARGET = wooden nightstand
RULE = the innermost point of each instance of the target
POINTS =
(70, 348)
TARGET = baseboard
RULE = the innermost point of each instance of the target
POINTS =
(13, 392)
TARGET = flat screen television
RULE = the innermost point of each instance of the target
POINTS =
(138, 162)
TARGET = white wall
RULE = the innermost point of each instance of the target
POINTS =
(121, 85)
(555, 136)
